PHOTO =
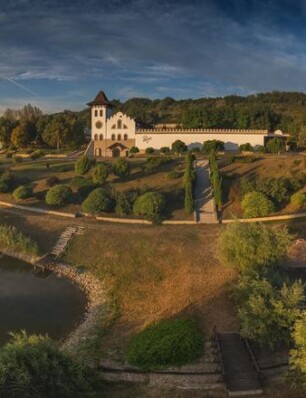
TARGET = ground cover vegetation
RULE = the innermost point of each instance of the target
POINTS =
(12, 238)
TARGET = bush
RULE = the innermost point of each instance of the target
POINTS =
(8, 178)
(298, 199)
(213, 146)
(250, 246)
(275, 145)
(51, 181)
(134, 149)
(97, 201)
(179, 147)
(121, 168)
(22, 192)
(4, 188)
(150, 205)
(37, 154)
(297, 355)
(124, 203)
(11, 237)
(153, 163)
(246, 147)
(83, 165)
(165, 149)
(99, 174)
(167, 343)
(256, 204)
(58, 195)
(79, 181)
(33, 366)
(149, 150)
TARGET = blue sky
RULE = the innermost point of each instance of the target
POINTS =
(57, 54)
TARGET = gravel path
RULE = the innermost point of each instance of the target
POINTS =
(204, 203)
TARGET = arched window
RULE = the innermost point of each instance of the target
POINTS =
(125, 126)
(119, 124)
(101, 112)
(98, 152)
(119, 137)
(113, 137)
(113, 127)
(125, 137)
(101, 137)
(96, 113)
(96, 137)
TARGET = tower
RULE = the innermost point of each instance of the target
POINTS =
(100, 112)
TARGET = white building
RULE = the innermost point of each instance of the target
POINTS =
(113, 135)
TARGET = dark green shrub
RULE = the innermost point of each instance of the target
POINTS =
(8, 177)
(22, 192)
(83, 165)
(134, 149)
(275, 145)
(51, 181)
(277, 189)
(124, 203)
(79, 181)
(33, 367)
(246, 147)
(149, 150)
(97, 201)
(4, 188)
(298, 199)
(256, 204)
(150, 205)
(58, 195)
(213, 146)
(260, 149)
(153, 163)
(165, 149)
(99, 174)
(179, 147)
(121, 168)
(167, 343)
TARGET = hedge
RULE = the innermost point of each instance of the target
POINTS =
(58, 195)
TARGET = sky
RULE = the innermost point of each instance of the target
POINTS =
(57, 54)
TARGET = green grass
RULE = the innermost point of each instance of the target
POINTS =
(12, 238)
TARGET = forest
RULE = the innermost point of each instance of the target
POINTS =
(275, 110)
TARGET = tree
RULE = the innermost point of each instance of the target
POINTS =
(134, 149)
(297, 355)
(179, 147)
(252, 246)
(97, 201)
(246, 147)
(83, 165)
(121, 168)
(150, 205)
(34, 367)
(213, 146)
(58, 195)
(268, 314)
(165, 149)
(20, 136)
(149, 150)
(6, 128)
(99, 174)
(256, 204)
(275, 145)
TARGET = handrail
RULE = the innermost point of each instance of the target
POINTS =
(250, 352)
(215, 338)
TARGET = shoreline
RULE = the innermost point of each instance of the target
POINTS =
(96, 305)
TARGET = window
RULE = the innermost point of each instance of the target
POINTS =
(98, 152)
(101, 112)
(113, 137)
(119, 137)
(96, 137)
(125, 137)
(101, 137)
(113, 127)
(96, 113)
(119, 124)
(125, 126)
(99, 125)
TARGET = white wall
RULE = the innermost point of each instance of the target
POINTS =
(231, 141)
(126, 121)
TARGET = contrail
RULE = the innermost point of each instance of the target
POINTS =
(21, 86)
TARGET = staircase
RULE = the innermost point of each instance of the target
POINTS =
(240, 374)
(62, 244)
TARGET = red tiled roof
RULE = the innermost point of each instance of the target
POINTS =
(101, 99)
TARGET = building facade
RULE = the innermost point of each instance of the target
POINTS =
(113, 135)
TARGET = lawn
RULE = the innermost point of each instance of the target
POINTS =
(266, 166)
(37, 172)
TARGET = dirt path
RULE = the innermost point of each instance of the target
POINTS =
(204, 203)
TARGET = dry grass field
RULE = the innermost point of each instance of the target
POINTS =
(269, 166)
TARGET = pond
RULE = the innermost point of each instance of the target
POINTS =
(37, 302)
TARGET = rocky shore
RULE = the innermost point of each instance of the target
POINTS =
(94, 290)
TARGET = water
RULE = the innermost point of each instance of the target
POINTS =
(36, 302)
